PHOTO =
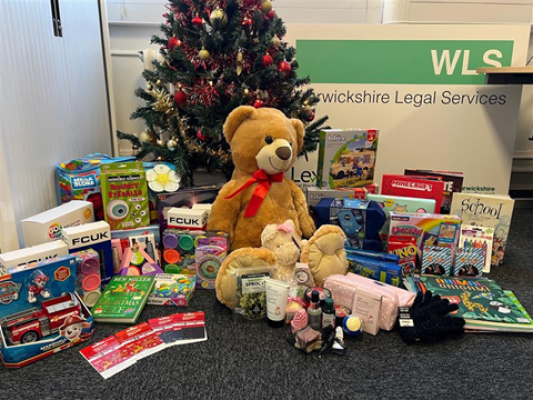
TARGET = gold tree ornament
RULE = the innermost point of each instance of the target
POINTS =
(219, 17)
(162, 100)
(147, 137)
(204, 54)
(266, 6)
(239, 63)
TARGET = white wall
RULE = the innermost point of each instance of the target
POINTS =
(127, 37)
(53, 102)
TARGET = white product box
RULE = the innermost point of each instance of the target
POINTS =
(47, 226)
(203, 206)
(184, 218)
(26, 257)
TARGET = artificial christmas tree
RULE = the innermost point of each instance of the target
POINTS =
(217, 55)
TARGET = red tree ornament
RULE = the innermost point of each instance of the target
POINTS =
(201, 136)
(197, 21)
(246, 21)
(271, 14)
(258, 103)
(249, 3)
(284, 68)
(308, 114)
(173, 42)
(267, 60)
(180, 97)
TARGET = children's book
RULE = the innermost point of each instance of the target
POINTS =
(487, 211)
(453, 183)
(477, 298)
(489, 326)
(408, 186)
(123, 299)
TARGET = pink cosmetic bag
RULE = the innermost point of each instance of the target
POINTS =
(343, 288)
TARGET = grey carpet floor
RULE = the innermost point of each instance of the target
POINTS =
(253, 361)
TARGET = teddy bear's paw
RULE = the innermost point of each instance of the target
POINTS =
(325, 253)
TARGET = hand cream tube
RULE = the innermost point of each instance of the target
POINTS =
(277, 293)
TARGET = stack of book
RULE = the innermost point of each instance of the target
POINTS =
(484, 305)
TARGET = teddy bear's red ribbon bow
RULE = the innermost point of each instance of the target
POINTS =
(264, 182)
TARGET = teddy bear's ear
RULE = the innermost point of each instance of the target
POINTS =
(235, 118)
(299, 129)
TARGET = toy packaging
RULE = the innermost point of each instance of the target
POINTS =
(490, 212)
(408, 186)
(437, 261)
(208, 257)
(123, 299)
(185, 197)
(25, 258)
(428, 229)
(361, 221)
(383, 271)
(453, 183)
(468, 262)
(172, 290)
(478, 237)
(47, 226)
(347, 158)
(96, 236)
(88, 279)
(40, 313)
(79, 179)
(125, 195)
(400, 204)
(406, 248)
(315, 194)
(179, 248)
(135, 259)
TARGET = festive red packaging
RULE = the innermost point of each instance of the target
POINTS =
(401, 185)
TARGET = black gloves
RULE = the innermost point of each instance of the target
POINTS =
(427, 320)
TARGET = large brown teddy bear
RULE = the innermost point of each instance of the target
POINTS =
(264, 144)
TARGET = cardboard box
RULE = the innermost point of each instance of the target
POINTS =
(38, 305)
(186, 197)
(47, 226)
(96, 236)
(347, 158)
(172, 290)
(25, 258)
(315, 194)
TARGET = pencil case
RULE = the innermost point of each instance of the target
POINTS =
(344, 287)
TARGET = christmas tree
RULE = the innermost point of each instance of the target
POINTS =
(216, 56)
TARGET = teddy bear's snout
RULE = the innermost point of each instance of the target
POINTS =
(284, 153)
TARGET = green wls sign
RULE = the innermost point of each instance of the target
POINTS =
(401, 61)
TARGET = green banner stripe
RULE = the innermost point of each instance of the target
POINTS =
(400, 61)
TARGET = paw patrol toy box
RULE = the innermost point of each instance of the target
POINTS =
(40, 313)
(347, 158)
(125, 195)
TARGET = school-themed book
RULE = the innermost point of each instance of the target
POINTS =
(453, 183)
(477, 298)
(490, 326)
(123, 299)
(489, 211)
(408, 186)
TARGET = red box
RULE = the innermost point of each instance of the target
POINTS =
(401, 185)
